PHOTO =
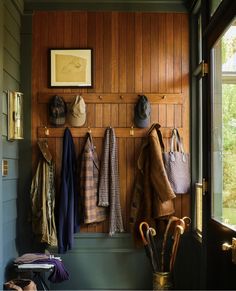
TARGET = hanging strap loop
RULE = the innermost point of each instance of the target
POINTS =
(175, 138)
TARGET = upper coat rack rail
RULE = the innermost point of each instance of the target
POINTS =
(114, 97)
(52, 132)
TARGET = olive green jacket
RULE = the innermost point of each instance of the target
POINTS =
(43, 203)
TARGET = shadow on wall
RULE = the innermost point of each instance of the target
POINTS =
(188, 261)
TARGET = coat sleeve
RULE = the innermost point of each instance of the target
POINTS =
(159, 179)
(103, 189)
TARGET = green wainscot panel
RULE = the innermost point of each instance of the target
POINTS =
(100, 262)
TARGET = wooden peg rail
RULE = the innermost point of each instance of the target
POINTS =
(114, 97)
(52, 132)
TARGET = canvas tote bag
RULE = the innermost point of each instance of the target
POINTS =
(177, 165)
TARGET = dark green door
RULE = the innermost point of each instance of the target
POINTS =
(219, 148)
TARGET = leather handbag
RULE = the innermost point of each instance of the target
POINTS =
(21, 285)
(177, 165)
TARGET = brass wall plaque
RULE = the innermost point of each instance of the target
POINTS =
(15, 115)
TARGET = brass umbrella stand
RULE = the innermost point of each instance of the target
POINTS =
(162, 271)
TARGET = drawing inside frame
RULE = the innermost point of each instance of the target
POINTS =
(71, 67)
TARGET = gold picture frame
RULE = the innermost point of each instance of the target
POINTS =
(70, 67)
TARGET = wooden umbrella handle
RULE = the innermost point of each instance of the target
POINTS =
(142, 233)
(179, 230)
(171, 219)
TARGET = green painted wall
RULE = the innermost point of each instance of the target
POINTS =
(1, 97)
(10, 73)
(100, 262)
(104, 5)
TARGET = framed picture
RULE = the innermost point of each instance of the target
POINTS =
(70, 67)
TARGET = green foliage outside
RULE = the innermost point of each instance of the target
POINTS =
(229, 138)
(229, 143)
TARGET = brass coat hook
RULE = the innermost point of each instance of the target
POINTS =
(46, 131)
(131, 132)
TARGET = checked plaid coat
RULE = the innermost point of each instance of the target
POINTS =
(89, 183)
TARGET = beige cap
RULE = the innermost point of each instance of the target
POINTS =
(77, 112)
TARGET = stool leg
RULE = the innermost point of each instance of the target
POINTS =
(41, 281)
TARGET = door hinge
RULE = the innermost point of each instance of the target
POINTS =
(204, 68)
(201, 70)
(204, 186)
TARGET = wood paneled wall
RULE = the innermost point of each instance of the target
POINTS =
(133, 53)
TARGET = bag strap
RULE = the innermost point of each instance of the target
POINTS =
(77, 99)
(160, 139)
(176, 137)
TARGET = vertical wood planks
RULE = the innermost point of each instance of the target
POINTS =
(115, 53)
(123, 176)
(133, 52)
(99, 53)
(162, 53)
(154, 53)
(91, 40)
(138, 53)
(169, 53)
(122, 52)
(130, 165)
(98, 115)
(130, 52)
(122, 115)
(106, 115)
(177, 53)
(146, 51)
(107, 52)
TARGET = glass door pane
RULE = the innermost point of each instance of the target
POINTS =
(223, 152)
(213, 5)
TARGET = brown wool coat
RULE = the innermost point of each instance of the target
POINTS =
(153, 195)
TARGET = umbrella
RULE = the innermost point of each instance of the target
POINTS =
(150, 234)
(147, 244)
(179, 230)
(171, 220)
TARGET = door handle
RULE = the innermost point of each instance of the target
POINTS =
(226, 247)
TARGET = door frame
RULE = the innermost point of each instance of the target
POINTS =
(212, 29)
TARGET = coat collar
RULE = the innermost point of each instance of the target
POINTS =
(90, 147)
(154, 132)
(43, 146)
